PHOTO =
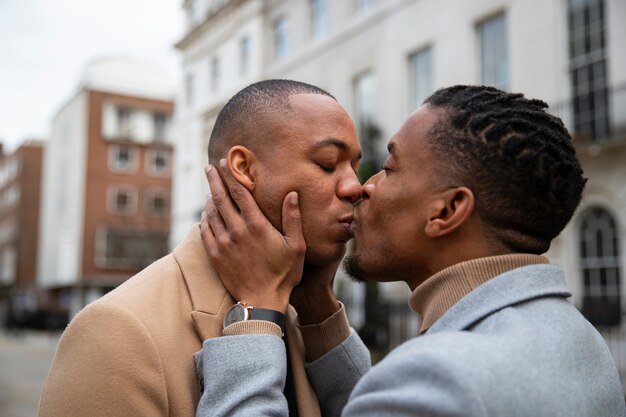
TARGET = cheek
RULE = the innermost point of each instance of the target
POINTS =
(394, 221)
(315, 194)
(269, 198)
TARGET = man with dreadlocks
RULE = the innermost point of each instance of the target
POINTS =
(477, 184)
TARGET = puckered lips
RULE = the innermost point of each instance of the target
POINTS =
(346, 225)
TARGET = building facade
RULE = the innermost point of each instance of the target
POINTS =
(107, 182)
(380, 59)
(20, 185)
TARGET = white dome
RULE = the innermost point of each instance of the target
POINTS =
(129, 76)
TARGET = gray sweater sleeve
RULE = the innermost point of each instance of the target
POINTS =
(245, 376)
(242, 376)
(335, 374)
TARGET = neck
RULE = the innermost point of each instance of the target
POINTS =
(451, 252)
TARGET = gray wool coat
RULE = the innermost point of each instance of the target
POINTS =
(512, 347)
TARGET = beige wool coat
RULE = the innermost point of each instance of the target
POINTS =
(130, 353)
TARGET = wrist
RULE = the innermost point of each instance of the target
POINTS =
(271, 301)
(314, 308)
(242, 313)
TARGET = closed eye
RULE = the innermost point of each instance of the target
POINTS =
(327, 169)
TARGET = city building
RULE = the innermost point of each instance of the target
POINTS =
(107, 177)
(380, 59)
(20, 184)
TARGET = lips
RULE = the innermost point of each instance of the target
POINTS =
(354, 223)
(346, 224)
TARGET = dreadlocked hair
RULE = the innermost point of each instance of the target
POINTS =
(517, 159)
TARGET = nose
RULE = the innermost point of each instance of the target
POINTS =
(370, 185)
(349, 188)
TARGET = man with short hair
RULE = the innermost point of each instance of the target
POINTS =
(130, 353)
(477, 184)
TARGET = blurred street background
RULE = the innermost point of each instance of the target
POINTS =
(25, 358)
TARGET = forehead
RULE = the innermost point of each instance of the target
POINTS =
(411, 141)
(314, 118)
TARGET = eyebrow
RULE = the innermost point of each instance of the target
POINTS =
(334, 142)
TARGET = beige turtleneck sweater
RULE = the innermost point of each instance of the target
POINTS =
(437, 294)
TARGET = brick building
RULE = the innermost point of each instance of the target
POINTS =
(107, 182)
(20, 180)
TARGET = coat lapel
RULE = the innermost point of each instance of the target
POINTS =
(211, 301)
(512, 287)
(209, 298)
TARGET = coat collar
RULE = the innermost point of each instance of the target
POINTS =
(210, 302)
(209, 299)
(512, 287)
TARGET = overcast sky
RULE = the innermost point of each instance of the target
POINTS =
(45, 45)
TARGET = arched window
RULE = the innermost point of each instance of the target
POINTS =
(599, 262)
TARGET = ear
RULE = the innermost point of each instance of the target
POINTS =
(241, 162)
(449, 211)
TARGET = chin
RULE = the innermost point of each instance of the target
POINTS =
(325, 256)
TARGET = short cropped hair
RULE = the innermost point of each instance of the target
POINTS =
(517, 159)
(244, 115)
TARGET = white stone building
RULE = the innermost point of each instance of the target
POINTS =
(381, 58)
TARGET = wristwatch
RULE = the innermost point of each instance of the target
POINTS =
(241, 312)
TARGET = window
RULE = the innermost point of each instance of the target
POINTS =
(11, 196)
(160, 124)
(8, 265)
(189, 89)
(156, 202)
(123, 122)
(420, 77)
(600, 265)
(364, 5)
(319, 18)
(215, 74)
(588, 64)
(158, 162)
(494, 60)
(245, 55)
(127, 248)
(122, 199)
(122, 158)
(281, 45)
(364, 97)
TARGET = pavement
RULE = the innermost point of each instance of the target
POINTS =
(24, 363)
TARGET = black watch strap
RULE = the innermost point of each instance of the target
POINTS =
(268, 315)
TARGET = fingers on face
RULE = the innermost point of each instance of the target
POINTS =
(208, 238)
(220, 199)
(239, 194)
(292, 222)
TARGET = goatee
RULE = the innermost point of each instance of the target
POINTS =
(351, 266)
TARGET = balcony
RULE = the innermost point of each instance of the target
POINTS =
(596, 119)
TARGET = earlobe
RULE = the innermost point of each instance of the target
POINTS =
(450, 211)
(240, 161)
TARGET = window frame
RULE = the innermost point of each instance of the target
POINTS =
(495, 68)
(601, 300)
(281, 38)
(114, 151)
(113, 192)
(149, 197)
(415, 97)
(151, 155)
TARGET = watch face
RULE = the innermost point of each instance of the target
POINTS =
(236, 313)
